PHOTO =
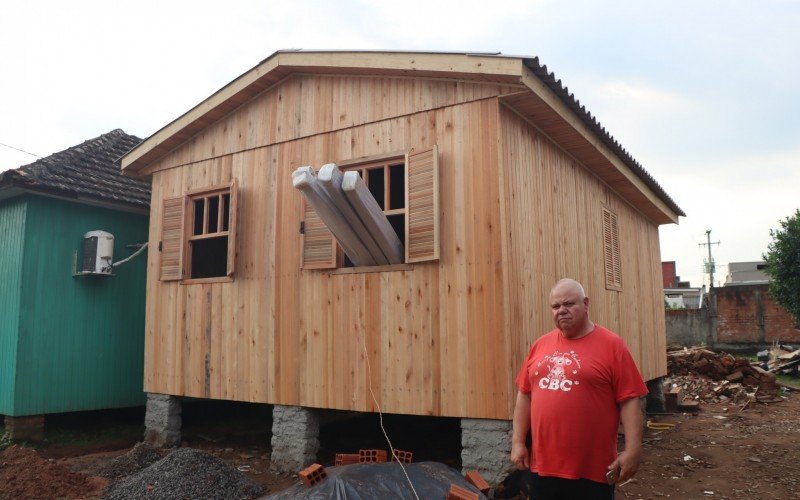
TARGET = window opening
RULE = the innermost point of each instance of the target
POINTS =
(208, 244)
(397, 181)
(376, 183)
(387, 184)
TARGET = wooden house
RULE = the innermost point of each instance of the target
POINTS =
(70, 343)
(497, 181)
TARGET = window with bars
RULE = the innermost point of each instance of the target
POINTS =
(611, 250)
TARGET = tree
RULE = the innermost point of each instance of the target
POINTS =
(783, 265)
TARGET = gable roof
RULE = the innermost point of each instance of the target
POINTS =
(543, 101)
(88, 172)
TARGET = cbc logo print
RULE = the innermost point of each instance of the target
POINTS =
(561, 368)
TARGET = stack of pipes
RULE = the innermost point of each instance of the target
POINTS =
(355, 219)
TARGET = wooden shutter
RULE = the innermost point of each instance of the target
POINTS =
(422, 205)
(319, 248)
(172, 220)
(233, 214)
(611, 251)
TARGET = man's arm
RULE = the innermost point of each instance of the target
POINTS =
(630, 413)
(522, 423)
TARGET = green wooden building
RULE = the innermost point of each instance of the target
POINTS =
(70, 343)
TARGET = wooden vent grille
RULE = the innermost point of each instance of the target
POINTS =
(172, 239)
(319, 245)
(611, 250)
(422, 202)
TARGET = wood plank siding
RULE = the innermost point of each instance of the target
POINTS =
(441, 338)
(553, 228)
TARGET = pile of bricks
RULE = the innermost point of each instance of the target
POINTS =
(698, 374)
(315, 473)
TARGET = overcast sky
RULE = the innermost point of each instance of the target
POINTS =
(703, 94)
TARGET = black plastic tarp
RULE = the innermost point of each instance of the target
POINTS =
(431, 480)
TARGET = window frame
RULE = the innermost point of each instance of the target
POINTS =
(208, 193)
(421, 212)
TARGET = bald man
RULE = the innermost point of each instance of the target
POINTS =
(577, 383)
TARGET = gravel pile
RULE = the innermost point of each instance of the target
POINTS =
(140, 457)
(186, 473)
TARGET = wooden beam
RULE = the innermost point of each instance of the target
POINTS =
(304, 180)
(330, 179)
(372, 216)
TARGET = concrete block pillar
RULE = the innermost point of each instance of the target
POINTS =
(295, 438)
(162, 420)
(486, 447)
(655, 396)
(30, 428)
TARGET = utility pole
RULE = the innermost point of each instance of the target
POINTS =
(709, 265)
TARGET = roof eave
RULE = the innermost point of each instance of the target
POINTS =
(283, 63)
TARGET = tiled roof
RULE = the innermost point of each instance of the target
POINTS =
(89, 171)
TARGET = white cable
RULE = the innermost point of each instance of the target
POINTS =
(380, 415)
(134, 254)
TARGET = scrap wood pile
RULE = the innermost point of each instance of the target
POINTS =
(722, 377)
(781, 359)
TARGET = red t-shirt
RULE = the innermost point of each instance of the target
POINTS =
(575, 387)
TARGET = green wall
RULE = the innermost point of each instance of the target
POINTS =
(80, 340)
(12, 234)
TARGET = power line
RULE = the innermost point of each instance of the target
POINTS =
(20, 150)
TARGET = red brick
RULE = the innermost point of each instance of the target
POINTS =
(313, 474)
(458, 493)
(346, 459)
(475, 479)
(371, 456)
(402, 456)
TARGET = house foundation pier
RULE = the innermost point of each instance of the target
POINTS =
(295, 438)
(162, 420)
(486, 447)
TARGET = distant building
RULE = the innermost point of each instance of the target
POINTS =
(679, 294)
(669, 276)
(747, 273)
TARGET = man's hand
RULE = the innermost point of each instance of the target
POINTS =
(628, 463)
(520, 456)
(521, 424)
(630, 413)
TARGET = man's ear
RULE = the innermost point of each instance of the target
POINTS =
(586, 302)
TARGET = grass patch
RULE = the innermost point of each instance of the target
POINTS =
(790, 380)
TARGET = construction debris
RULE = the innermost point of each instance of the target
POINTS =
(722, 377)
(458, 493)
(313, 474)
(474, 478)
(372, 456)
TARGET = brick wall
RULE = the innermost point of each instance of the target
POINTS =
(747, 314)
(668, 274)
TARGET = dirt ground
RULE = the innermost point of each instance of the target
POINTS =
(721, 452)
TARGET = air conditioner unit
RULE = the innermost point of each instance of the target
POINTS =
(98, 253)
